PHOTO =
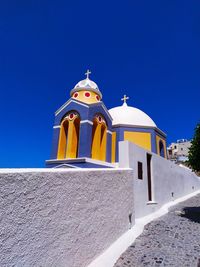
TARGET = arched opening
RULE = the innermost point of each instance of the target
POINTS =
(63, 139)
(161, 149)
(99, 138)
(69, 136)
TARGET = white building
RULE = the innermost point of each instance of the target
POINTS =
(179, 151)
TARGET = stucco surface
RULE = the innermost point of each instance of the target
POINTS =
(62, 218)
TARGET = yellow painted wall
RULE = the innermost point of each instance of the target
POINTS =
(96, 141)
(89, 100)
(103, 142)
(139, 138)
(113, 147)
(72, 140)
(99, 140)
(62, 140)
(158, 138)
(68, 139)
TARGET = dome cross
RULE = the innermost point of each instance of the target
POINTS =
(125, 98)
(87, 74)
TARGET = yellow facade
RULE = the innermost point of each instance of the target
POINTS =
(62, 140)
(158, 139)
(139, 138)
(96, 142)
(99, 139)
(113, 157)
(72, 140)
(82, 96)
(103, 142)
(69, 138)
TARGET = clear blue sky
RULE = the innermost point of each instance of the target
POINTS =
(149, 50)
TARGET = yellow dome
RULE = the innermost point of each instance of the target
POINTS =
(86, 91)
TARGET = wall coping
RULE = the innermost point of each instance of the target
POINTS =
(58, 170)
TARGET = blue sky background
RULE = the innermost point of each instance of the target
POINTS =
(149, 50)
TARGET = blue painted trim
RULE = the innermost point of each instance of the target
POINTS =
(81, 164)
(85, 140)
(109, 147)
(120, 136)
(153, 142)
(55, 141)
(86, 113)
(98, 109)
(160, 135)
(73, 106)
(67, 103)
(161, 149)
(164, 138)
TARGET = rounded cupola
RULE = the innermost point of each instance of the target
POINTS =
(86, 91)
(130, 116)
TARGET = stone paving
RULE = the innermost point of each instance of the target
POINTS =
(171, 240)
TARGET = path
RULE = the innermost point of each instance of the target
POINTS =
(171, 240)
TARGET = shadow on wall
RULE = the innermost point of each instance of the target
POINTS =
(191, 213)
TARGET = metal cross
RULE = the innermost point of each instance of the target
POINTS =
(87, 74)
(125, 98)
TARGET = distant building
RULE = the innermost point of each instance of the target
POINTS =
(179, 151)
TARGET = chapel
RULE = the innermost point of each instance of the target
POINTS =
(86, 134)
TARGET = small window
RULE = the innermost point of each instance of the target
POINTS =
(140, 170)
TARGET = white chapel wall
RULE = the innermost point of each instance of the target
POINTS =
(169, 181)
(62, 218)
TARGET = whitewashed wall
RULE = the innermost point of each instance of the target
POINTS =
(62, 217)
(169, 181)
(67, 218)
